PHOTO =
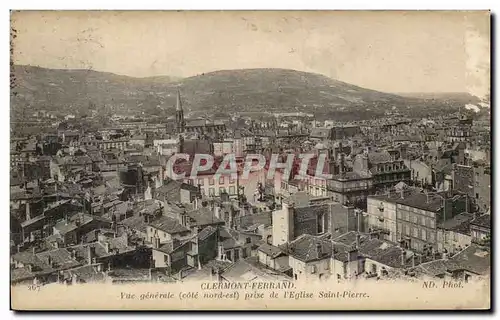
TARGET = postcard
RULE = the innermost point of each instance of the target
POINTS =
(250, 160)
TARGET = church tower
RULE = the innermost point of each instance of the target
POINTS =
(179, 115)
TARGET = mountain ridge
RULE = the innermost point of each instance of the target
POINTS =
(221, 91)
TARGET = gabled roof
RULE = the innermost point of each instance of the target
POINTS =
(309, 248)
(168, 225)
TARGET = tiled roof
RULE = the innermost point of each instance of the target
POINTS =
(483, 221)
(204, 216)
(270, 250)
(310, 248)
(206, 232)
(474, 258)
(168, 224)
(379, 157)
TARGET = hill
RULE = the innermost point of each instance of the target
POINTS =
(457, 97)
(227, 91)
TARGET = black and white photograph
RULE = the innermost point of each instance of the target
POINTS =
(262, 159)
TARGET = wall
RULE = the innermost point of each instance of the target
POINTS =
(451, 241)
(304, 271)
(482, 187)
(369, 265)
(421, 172)
(283, 227)
(385, 220)
(152, 232)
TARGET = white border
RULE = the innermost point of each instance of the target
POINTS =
(190, 5)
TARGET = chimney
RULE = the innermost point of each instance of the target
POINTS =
(353, 254)
(342, 163)
(90, 254)
(107, 246)
(402, 194)
(34, 250)
(73, 254)
(221, 253)
(99, 267)
(358, 240)
(445, 255)
(413, 261)
(319, 249)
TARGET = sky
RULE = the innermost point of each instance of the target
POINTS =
(386, 51)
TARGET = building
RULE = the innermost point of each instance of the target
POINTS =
(386, 170)
(299, 215)
(200, 126)
(381, 212)
(482, 186)
(310, 258)
(350, 188)
(411, 218)
(454, 235)
(461, 131)
(480, 229)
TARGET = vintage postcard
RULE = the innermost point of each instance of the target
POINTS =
(250, 160)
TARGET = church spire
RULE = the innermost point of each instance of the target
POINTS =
(179, 114)
(178, 105)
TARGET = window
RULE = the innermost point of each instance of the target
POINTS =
(244, 253)
(432, 223)
(477, 195)
(313, 269)
(424, 235)
(231, 180)
(211, 192)
(432, 237)
(165, 259)
(222, 190)
(248, 240)
(407, 230)
(211, 181)
(232, 190)
(415, 232)
(221, 180)
(236, 255)
(200, 181)
(321, 223)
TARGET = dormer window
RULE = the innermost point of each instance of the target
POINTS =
(381, 207)
(313, 269)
